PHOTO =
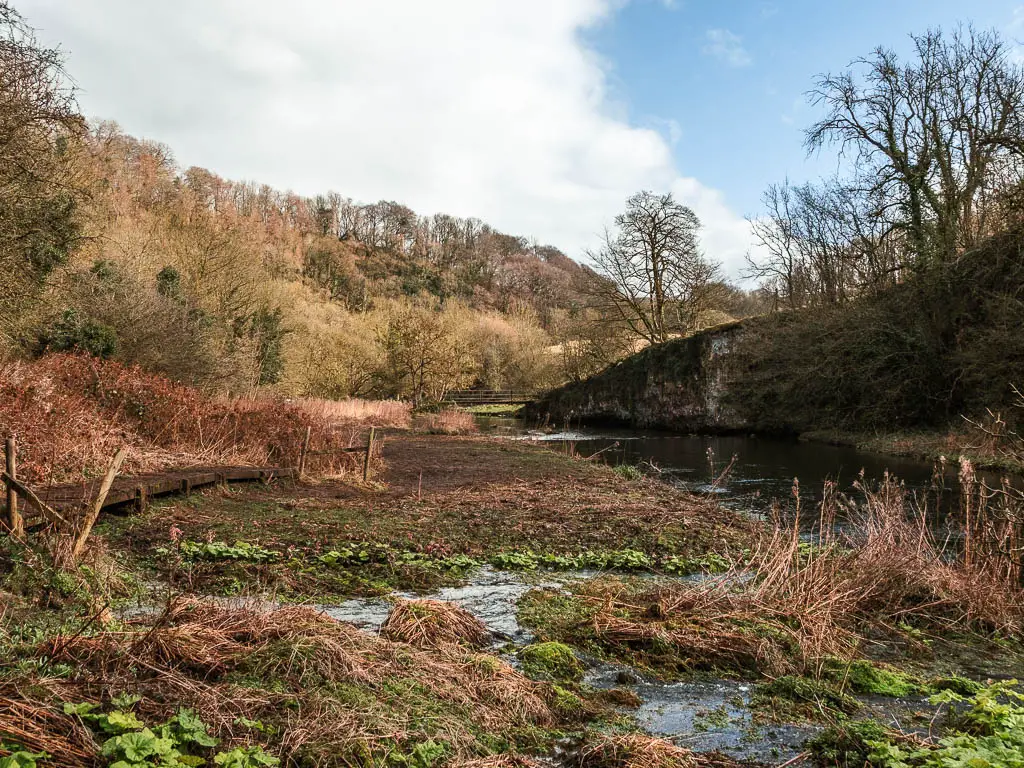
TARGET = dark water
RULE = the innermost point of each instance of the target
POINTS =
(763, 470)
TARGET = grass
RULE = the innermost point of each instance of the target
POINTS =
(473, 500)
(806, 622)
(793, 610)
(510, 410)
(793, 698)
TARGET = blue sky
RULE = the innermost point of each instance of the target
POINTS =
(538, 116)
(729, 77)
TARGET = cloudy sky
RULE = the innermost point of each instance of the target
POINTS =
(538, 116)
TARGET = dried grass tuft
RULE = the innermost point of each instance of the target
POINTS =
(636, 750)
(38, 728)
(377, 413)
(496, 761)
(434, 623)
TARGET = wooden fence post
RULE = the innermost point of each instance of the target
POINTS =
(302, 453)
(14, 522)
(366, 460)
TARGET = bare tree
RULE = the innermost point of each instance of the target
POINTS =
(932, 137)
(822, 244)
(651, 273)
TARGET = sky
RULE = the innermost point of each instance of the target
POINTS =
(538, 116)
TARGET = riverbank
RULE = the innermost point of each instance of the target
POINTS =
(934, 446)
(482, 603)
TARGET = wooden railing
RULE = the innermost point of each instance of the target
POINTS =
(487, 397)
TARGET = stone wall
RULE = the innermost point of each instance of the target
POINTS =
(679, 385)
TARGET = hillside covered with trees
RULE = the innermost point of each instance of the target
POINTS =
(108, 246)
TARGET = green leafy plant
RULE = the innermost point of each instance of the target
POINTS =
(220, 550)
(426, 754)
(986, 730)
(115, 722)
(246, 757)
(712, 562)
(19, 758)
(629, 472)
(141, 749)
(182, 742)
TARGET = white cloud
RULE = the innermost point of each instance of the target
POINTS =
(473, 107)
(726, 46)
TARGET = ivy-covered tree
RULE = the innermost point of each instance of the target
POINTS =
(39, 131)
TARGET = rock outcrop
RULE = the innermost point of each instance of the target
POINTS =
(679, 385)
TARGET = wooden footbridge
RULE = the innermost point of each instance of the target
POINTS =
(469, 397)
(49, 503)
(135, 491)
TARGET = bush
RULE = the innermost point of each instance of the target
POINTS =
(72, 412)
(72, 333)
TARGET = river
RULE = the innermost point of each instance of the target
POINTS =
(762, 471)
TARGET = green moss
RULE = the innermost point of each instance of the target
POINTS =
(551, 661)
(958, 685)
(845, 745)
(566, 704)
(870, 678)
(557, 616)
(793, 698)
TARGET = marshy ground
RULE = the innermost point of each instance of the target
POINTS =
(486, 602)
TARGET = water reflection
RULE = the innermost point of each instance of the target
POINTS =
(762, 469)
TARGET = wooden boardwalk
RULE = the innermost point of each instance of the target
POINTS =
(137, 490)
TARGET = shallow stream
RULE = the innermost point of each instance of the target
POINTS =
(702, 715)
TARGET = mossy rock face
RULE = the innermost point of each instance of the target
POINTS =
(872, 679)
(553, 662)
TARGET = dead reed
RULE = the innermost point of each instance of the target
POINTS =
(450, 421)
(796, 603)
(378, 413)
